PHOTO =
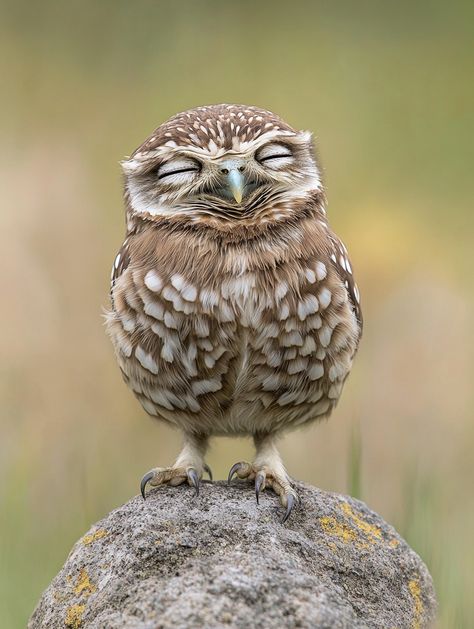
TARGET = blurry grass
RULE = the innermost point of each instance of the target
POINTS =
(388, 91)
(355, 463)
(444, 552)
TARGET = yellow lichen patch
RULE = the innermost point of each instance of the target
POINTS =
(372, 531)
(83, 584)
(415, 591)
(93, 537)
(394, 542)
(337, 529)
(74, 616)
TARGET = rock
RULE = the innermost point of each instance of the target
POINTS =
(219, 560)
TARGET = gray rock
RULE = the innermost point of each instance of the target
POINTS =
(219, 560)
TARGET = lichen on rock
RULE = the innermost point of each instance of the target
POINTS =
(220, 560)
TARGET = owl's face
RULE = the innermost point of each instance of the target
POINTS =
(225, 162)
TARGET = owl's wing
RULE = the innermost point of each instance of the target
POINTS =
(121, 262)
(340, 259)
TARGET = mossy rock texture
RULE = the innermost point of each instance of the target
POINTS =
(219, 560)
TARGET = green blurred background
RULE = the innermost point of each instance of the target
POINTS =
(387, 89)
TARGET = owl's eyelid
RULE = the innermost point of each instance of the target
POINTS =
(273, 150)
(276, 156)
(190, 169)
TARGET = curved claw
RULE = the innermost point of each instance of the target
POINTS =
(145, 480)
(208, 470)
(290, 503)
(259, 481)
(193, 479)
(233, 470)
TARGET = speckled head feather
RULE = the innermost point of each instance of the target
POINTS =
(212, 126)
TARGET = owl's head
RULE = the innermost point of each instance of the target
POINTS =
(222, 164)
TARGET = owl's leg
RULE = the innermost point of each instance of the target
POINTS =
(189, 466)
(267, 470)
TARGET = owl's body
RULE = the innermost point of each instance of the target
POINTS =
(231, 316)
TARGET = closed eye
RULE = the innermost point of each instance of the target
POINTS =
(277, 153)
(178, 166)
(276, 156)
(177, 172)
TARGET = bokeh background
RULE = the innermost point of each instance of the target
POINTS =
(387, 88)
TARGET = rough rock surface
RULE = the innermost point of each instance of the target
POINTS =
(219, 560)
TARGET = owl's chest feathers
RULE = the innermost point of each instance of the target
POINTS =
(227, 344)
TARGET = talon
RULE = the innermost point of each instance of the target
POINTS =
(259, 481)
(233, 470)
(208, 470)
(193, 479)
(290, 503)
(145, 480)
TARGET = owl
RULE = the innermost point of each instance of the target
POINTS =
(234, 310)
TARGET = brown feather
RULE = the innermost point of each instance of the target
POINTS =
(228, 318)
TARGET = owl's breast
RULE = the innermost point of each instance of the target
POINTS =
(299, 334)
(178, 344)
(253, 350)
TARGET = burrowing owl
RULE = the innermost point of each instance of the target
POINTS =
(234, 308)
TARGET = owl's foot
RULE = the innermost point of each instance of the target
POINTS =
(188, 467)
(173, 476)
(264, 476)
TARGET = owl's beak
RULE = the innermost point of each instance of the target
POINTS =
(236, 184)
